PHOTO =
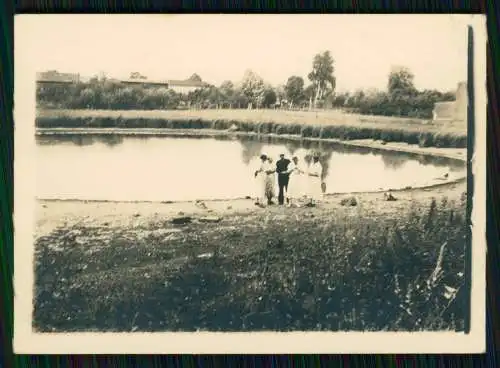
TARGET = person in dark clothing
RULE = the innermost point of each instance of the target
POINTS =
(283, 177)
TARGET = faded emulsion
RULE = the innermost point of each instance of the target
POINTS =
(117, 168)
(157, 205)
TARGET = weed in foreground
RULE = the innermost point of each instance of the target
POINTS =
(322, 273)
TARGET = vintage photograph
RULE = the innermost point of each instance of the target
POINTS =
(242, 173)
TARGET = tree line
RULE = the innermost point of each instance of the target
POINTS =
(400, 98)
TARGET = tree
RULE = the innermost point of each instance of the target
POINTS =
(268, 97)
(228, 92)
(357, 97)
(87, 98)
(341, 99)
(294, 90)
(137, 75)
(322, 76)
(240, 99)
(195, 78)
(309, 94)
(252, 86)
(215, 96)
(280, 94)
(401, 81)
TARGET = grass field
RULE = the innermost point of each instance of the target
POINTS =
(321, 124)
(376, 266)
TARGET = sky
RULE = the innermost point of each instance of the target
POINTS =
(222, 47)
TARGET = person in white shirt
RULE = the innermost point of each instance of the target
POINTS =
(263, 175)
(315, 171)
(296, 187)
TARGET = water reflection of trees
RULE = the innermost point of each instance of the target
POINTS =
(441, 162)
(44, 140)
(110, 140)
(325, 162)
(397, 160)
(394, 161)
(80, 139)
(251, 148)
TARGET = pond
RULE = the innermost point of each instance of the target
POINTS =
(149, 168)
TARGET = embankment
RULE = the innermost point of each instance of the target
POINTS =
(322, 125)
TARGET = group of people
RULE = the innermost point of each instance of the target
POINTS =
(297, 183)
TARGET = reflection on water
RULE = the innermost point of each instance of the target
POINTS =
(110, 167)
(81, 139)
(394, 161)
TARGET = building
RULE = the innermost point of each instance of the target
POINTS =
(179, 86)
(53, 77)
(144, 82)
(185, 86)
(453, 110)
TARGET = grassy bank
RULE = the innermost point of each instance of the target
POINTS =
(305, 124)
(330, 268)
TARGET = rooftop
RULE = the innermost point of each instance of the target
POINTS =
(143, 81)
(55, 76)
(185, 83)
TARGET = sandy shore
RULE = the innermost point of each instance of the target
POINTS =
(52, 214)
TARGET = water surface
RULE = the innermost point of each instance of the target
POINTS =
(94, 167)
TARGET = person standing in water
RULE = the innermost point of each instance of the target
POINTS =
(296, 183)
(314, 181)
(283, 177)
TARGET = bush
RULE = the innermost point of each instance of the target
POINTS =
(281, 129)
(221, 124)
(425, 140)
(316, 132)
(342, 132)
(267, 128)
(294, 129)
(306, 131)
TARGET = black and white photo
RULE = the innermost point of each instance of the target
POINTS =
(240, 183)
